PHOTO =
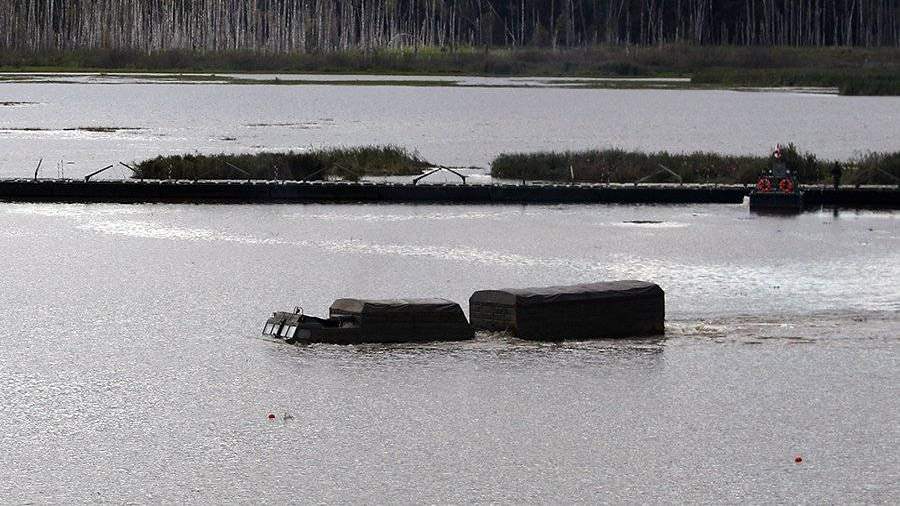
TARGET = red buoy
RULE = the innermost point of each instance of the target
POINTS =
(271, 416)
(786, 185)
(798, 459)
(764, 185)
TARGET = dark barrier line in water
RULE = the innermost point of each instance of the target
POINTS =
(27, 190)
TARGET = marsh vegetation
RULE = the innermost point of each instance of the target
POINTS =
(343, 163)
(857, 71)
(620, 166)
(850, 45)
(593, 166)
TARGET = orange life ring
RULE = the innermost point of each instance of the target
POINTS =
(764, 185)
(786, 185)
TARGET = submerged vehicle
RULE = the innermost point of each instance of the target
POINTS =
(355, 321)
(778, 189)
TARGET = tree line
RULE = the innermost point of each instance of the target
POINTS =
(320, 26)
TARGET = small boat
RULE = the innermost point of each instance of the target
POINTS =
(778, 190)
(356, 321)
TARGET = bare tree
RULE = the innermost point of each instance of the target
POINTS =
(305, 26)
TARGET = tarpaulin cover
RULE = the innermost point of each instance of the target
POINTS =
(394, 306)
(588, 311)
(550, 294)
(405, 320)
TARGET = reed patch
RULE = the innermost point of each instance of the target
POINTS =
(621, 166)
(344, 163)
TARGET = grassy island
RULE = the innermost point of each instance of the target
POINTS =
(344, 163)
(620, 166)
(593, 166)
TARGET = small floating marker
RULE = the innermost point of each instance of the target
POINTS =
(798, 459)
(271, 416)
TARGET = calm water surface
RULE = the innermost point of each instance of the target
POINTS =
(131, 371)
(145, 117)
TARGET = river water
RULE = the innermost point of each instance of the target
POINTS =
(80, 123)
(132, 370)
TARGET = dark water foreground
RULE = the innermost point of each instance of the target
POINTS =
(67, 190)
(131, 371)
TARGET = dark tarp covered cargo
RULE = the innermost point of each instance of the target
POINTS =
(405, 320)
(596, 310)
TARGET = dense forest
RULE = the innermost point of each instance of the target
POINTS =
(321, 26)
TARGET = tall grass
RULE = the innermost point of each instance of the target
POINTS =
(848, 81)
(620, 166)
(878, 84)
(876, 168)
(344, 163)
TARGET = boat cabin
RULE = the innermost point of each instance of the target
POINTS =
(778, 189)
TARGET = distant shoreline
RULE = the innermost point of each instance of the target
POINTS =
(852, 71)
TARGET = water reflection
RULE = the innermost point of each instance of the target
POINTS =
(498, 345)
(777, 213)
